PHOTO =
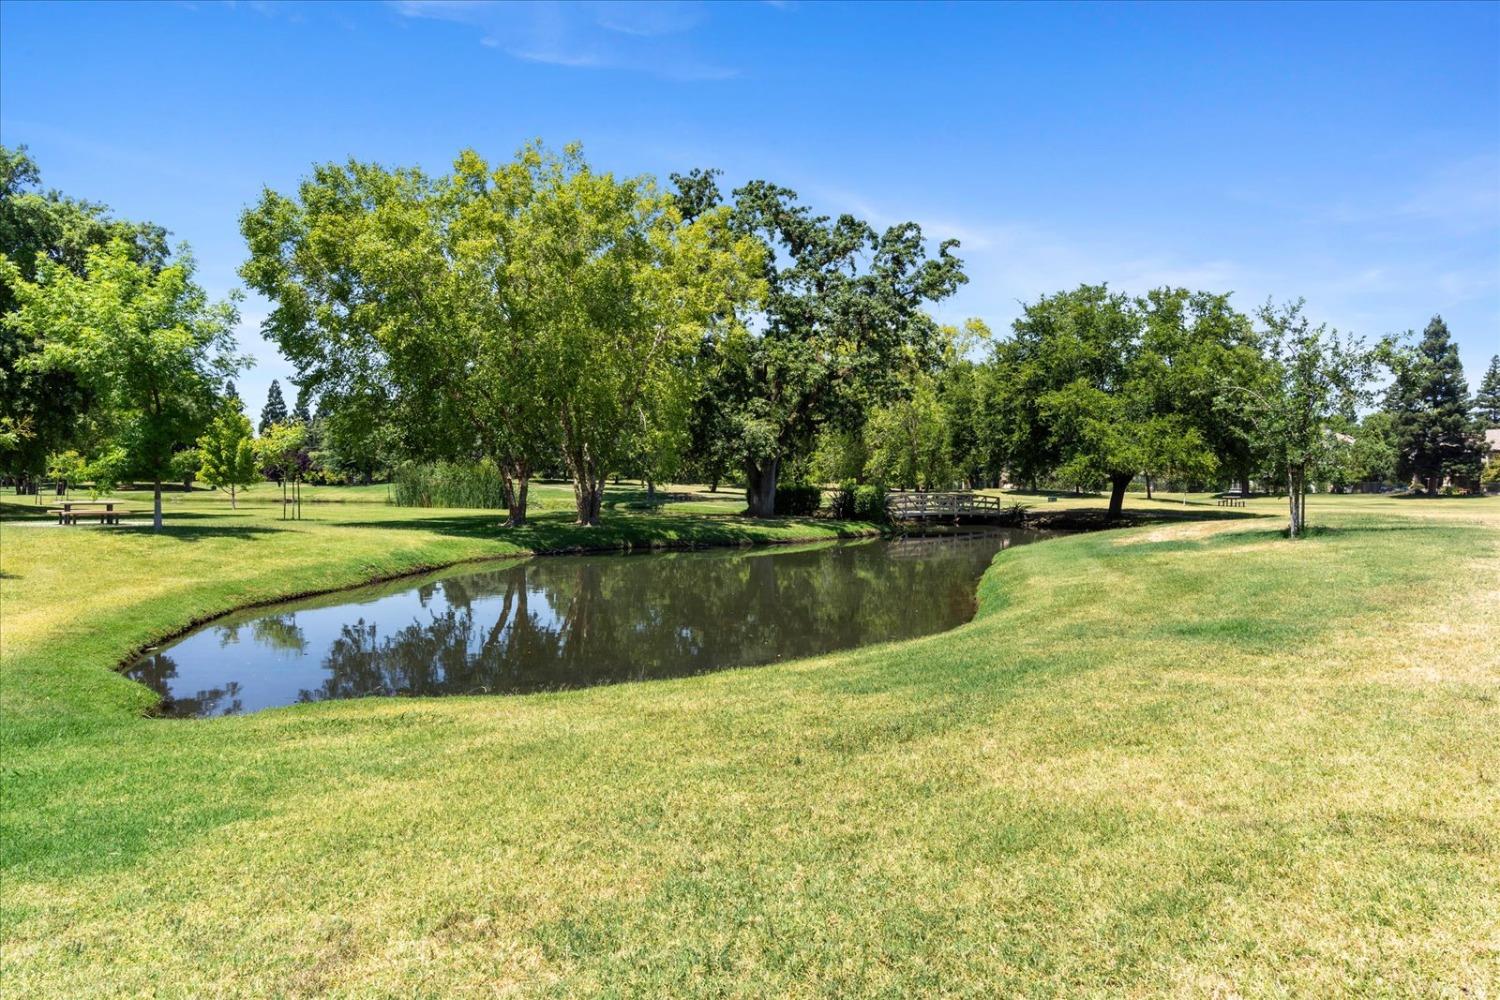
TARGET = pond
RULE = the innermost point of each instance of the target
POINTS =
(556, 622)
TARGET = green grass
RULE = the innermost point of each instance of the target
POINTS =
(1188, 759)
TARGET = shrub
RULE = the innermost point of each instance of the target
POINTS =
(449, 484)
(858, 502)
(798, 499)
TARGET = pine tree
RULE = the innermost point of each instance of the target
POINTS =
(1429, 405)
(228, 453)
(1487, 399)
(274, 412)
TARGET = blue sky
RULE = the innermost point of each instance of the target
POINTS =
(1343, 153)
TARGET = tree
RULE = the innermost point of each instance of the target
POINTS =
(1095, 386)
(1371, 457)
(274, 412)
(1487, 399)
(843, 310)
(909, 440)
(283, 448)
(1073, 409)
(1316, 376)
(44, 408)
(302, 412)
(1191, 344)
(1429, 404)
(227, 453)
(627, 286)
(145, 342)
(511, 313)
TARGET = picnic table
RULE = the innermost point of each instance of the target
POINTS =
(1231, 498)
(70, 511)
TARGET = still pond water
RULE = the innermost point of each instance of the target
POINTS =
(573, 621)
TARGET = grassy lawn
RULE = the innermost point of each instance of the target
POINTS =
(1186, 758)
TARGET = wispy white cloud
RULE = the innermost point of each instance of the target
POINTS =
(653, 38)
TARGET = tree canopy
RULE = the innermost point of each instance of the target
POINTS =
(145, 342)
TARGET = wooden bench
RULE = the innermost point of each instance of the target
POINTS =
(1231, 500)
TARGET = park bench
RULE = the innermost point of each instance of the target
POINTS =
(1231, 500)
(102, 511)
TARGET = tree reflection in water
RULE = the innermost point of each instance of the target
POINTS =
(576, 621)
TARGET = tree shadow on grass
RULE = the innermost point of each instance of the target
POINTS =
(196, 532)
(1095, 519)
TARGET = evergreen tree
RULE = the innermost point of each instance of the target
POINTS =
(274, 412)
(1487, 399)
(1429, 406)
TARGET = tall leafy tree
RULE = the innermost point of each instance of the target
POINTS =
(145, 342)
(1429, 404)
(844, 309)
(43, 408)
(274, 412)
(627, 288)
(1073, 408)
(1095, 386)
(1487, 399)
(1317, 377)
(909, 440)
(1191, 344)
(404, 304)
(226, 454)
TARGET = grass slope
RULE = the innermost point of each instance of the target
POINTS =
(1188, 759)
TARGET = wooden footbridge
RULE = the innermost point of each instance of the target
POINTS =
(946, 506)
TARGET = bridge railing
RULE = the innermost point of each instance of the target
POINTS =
(908, 506)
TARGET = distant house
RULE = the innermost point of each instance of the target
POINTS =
(1492, 445)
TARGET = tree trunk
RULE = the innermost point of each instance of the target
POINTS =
(713, 485)
(1294, 496)
(650, 492)
(760, 487)
(516, 476)
(1148, 486)
(1245, 486)
(156, 505)
(1118, 481)
(588, 493)
(232, 505)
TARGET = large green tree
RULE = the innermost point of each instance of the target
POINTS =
(1071, 408)
(403, 303)
(44, 408)
(513, 312)
(145, 342)
(1429, 404)
(844, 310)
(1096, 386)
(627, 287)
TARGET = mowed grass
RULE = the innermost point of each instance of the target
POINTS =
(1187, 759)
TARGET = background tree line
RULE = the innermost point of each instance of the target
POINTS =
(538, 317)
